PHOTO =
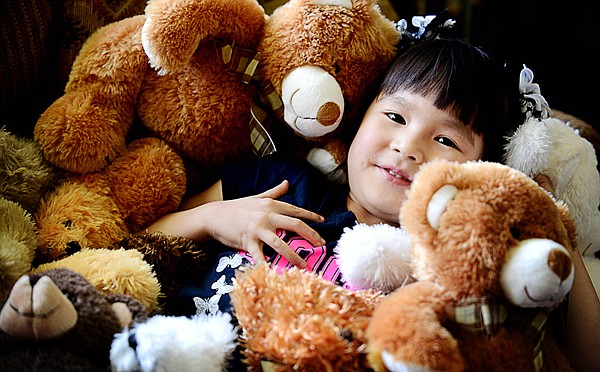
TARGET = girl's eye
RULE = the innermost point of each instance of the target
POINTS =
(446, 142)
(395, 117)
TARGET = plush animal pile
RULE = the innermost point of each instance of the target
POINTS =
(155, 103)
(487, 241)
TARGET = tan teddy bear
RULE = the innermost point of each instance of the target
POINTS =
(492, 258)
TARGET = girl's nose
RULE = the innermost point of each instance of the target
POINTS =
(409, 148)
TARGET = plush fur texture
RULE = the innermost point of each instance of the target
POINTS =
(174, 260)
(99, 209)
(177, 344)
(200, 109)
(164, 68)
(18, 243)
(374, 257)
(552, 148)
(83, 345)
(25, 175)
(325, 56)
(495, 238)
(122, 271)
(297, 320)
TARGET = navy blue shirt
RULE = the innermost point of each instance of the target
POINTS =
(309, 189)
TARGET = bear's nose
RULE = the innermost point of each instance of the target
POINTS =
(560, 263)
(72, 247)
(328, 114)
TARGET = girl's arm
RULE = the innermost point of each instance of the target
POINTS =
(245, 223)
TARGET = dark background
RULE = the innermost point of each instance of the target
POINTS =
(559, 41)
(40, 38)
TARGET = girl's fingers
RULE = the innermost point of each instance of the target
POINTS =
(257, 254)
(298, 227)
(284, 249)
(275, 192)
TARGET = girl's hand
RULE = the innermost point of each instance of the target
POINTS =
(247, 223)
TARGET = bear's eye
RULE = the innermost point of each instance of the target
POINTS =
(71, 297)
(67, 223)
(336, 68)
(515, 232)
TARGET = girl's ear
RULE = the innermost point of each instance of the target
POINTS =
(438, 203)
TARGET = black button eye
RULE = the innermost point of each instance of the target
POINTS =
(515, 232)
(132, 341)
(67, 223)
(336, 68)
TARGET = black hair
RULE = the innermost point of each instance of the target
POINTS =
(466, 81)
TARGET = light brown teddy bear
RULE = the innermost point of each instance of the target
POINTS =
(190, 72)
(492, 259)
(99, 209)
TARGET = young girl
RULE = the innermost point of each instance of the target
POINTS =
(440, 99)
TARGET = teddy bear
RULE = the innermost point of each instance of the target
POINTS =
(24, 177)
(191, 72)
(297, 320)
(56, 320)
(492, 258)
(18, 243)
(201, 110)
(172, 343)
(96, 210)
(314, 62)
(113, 271)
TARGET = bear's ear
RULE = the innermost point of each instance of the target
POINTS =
(438, 203)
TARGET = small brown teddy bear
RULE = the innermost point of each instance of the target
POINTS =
(57, 321)
(97, 210)
(492, 258)
(297, 320)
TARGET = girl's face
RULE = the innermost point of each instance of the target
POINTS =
(398, 134)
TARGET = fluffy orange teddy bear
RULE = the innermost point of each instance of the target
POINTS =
(492, 258)
(192, 70)
(99, 209)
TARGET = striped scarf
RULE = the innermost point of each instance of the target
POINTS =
(265, 113)
(484, 316)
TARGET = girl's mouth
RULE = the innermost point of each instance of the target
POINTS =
(397, 176)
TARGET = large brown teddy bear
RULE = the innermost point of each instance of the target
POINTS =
(176, 69)
(492, 258)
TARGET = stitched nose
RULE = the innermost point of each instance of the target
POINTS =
(328, 114)
(72, 247)
(560, 263)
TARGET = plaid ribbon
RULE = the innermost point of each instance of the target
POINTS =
(486, 317)
(263, 114)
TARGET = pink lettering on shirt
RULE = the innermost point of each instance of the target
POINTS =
(317, 258)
